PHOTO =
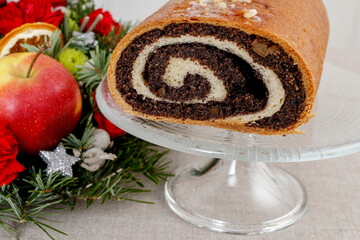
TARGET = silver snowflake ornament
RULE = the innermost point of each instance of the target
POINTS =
(59, 161)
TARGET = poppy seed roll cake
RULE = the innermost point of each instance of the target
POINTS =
(249, 66)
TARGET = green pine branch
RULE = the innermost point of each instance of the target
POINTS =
(25, 200)
(33, 197)
(92, 75)
(72, 142)
(110, 41)
(152, 167)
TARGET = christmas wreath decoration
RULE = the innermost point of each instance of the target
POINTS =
(56, 147)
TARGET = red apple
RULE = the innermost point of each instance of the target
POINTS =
(42, 109)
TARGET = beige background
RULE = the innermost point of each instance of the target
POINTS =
(333, 185)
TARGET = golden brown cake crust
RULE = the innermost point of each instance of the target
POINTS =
(300, 27)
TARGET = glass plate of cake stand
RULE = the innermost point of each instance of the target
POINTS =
(241, 193)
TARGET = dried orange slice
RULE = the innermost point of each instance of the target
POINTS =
(30, 33)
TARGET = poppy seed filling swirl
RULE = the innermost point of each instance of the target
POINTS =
(201, 72)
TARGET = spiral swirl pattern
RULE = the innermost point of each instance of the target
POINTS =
(203, 72)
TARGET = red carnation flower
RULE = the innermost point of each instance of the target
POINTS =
(104, 123)
(105, 25)
(9, 167)
(15, 14)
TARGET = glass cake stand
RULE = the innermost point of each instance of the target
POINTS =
(240, 193)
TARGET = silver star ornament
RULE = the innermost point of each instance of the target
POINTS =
(59, 161)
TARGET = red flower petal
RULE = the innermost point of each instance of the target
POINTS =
(108, 126)
(2, 163)
(54, 18)
(6, 179)
(8, 144)
(105, 25)
(104, 123)
(14, 14)
(9, 167)
(11, 17)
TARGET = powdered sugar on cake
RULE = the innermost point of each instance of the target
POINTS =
(230, 7)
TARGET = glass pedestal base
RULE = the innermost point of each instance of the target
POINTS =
(236, 197)
(250, 198)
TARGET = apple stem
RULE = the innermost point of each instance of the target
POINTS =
(41, 50)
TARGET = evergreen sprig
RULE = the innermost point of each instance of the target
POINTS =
(33, 197)
(92, 75)
(72, 142)
(117, 178)
(25, 200)
(110, 41)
